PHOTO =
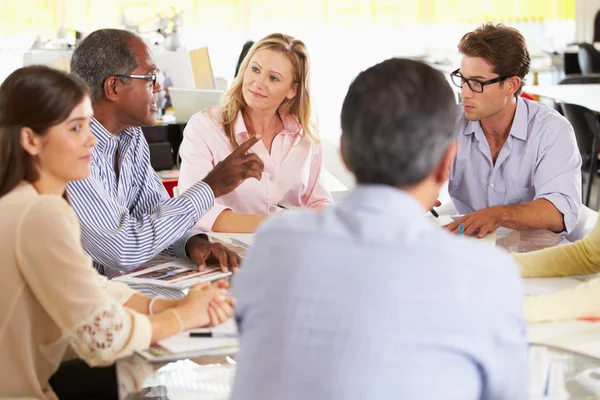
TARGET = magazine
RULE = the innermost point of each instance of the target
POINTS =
(176, 274)
(238, 243)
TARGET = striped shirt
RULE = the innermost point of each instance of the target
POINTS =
(127, 219)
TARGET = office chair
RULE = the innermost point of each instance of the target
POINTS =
(245, 50)
(587, 133)
(597, 27)
(589, 59)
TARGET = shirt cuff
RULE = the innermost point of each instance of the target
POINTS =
(201, 197)
(141, 332)
(179, 245)
(560, 201)
(208, 220)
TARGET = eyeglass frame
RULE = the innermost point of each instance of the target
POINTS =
(483, 84)
(152, 78)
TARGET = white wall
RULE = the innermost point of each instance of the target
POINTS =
(585, 12)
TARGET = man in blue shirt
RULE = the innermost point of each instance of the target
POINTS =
(369, 299)
(126, 215)
(517, 164)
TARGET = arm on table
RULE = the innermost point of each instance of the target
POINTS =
(577, 258)
(540, 214)
(123, 240)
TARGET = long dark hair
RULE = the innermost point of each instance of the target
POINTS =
(36, 97)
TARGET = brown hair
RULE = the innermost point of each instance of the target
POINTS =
(36, 97)
(503, 47)
(299, 106)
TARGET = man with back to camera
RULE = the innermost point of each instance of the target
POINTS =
(126, 215)
(517, 164)
(368, 299)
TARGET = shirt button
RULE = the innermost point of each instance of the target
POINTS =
(493, 185)
(272, 209)
(271, 178)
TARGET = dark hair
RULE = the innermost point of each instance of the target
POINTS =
(503, 47)
(398, 119)
(36, 97)
(103, 53)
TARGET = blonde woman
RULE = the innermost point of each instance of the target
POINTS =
(51, 298)
(269, 98)
(579, 258)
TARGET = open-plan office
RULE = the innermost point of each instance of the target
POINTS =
(299, 200)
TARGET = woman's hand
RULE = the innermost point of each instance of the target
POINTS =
(206, 305)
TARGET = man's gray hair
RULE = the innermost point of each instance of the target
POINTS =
(103, 53)
(398, 119)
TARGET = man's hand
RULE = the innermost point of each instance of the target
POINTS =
(201, 252)
(479, 223)
(237, 167)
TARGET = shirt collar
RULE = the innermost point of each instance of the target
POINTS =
(518, 128)
(291, 126)
(384, 199)
(105, 138)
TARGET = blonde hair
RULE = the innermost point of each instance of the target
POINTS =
(299, 106)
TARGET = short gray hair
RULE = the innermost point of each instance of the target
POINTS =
(398, 119)
(103, 53)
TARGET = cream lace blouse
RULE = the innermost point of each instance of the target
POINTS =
(51, 298)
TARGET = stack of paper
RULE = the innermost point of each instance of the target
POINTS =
(182, 345)
(578, 336)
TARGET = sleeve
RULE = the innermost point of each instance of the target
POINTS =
(580, 301)
(123, 239)
(577, 258)
(197, 160)
(316, 194)
(558, 175)
(63, 280)
(507, 369)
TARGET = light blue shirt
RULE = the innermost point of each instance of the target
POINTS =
(128, 219)
(370, 300)
(540, 160)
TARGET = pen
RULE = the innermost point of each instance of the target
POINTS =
(280, 206)
(434, 213)
(212, 335)
(461, 229)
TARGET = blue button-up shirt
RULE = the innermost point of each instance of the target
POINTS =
(540, 160)
(370, 300)
(128, 219)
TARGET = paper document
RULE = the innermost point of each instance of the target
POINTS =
(578, 336)
(533, 286)
(176, 274)
(181, 345)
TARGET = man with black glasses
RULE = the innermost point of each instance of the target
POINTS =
(517, 164)
(126, 215)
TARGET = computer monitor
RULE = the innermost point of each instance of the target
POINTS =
(187, 102)
(202, 69)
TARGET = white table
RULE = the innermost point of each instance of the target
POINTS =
(586, 95)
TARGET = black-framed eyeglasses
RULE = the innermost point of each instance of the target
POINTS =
(473, 84)
(150, 78)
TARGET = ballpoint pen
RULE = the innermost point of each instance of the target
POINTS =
(434, 213)
(212, 335)
(282, 207)
(461, 228)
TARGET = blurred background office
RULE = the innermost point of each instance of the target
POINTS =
(343, 38)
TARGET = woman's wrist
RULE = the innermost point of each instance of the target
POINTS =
(161, 305)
